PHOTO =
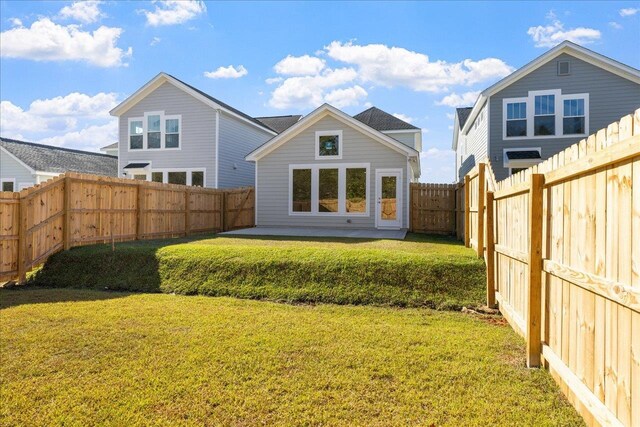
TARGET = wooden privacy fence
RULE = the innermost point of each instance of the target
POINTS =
(434, 208)
(75, 209)
(562, 246)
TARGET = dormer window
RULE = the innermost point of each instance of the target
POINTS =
(329, 145)
(155, 131)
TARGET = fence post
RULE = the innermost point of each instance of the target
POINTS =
(491, 245)
(139, 211)
(481, 195)
(187, 211)
(22, 243)
(223, 212)
(467, 198)
(534, 300)
(66, 237)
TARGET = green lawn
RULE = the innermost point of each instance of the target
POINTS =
(84, 357)
(436, 272)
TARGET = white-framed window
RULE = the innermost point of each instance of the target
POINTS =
(155, 131)
(545, 114)
(191, 176)
(7, 184)
(329, 190)
(329, 145)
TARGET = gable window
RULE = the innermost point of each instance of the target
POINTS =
(517, 119)
(337, 189)
(573, 119)
(155, 131)
(135, 134)
(563, 68)
(329, 145)
(544, 119)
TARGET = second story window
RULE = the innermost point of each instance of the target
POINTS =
(517, 119)
(544, 120)
(573, 119)
(329, 144)
(155, 131)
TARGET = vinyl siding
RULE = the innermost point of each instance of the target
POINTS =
(473, 145)
(236, 141)
(610, 97)
(10, 168)
(407, 139)
(273, 176)
(197, 145)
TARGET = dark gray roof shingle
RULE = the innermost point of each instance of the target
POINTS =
(381, 120)
(46, 158)
(519, 155)
(463, 115)
(280, 123)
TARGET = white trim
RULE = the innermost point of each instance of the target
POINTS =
(567, 47)
(11, 180)
(217, 150)
(520, 163)
(29, 168)
(342, 168)
(318, 114)
(337, 133)
(397, 224)
(165, 174)
(559, 114)
(161, 78)
(145, 131)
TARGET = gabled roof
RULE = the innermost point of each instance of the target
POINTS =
(279, 123)
(196, 93)
(45, 158)
(110, 146)
(320, 112)
(463, 115)
(567, 47)
(382, 121)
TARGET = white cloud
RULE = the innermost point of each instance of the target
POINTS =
(75, 104)
(90, 138)
(14, 119)
(273, 80)
(630, 11)
(464, 100)
(299, 65)
(83, 11)
(172, 12)
(395, 66)
(555, 33)
(341, 98)
(310, 91)
(155, 41)
(437, 165)
(229, 72)
(450, 116)
(403, 117)
(47, 41)
(615, 25)
(16, 22)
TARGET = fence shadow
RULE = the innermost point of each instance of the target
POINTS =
(29, 295)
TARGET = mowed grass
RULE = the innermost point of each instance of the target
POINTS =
(436, 272)
(83, 357)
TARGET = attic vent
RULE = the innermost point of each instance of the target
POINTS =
(563, 68)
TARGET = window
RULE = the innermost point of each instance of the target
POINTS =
(155, 131)
(563, 68)
(172, 133)
(197, 179)
(301, 190)
(328, 145)
(517, 119)
(544, 119)
(177, 178)
(135, 134)
(156, 176)
(516, 170)
(337, 189)
(573, 120)
(8, 185)
(140, 176)
(356, 188)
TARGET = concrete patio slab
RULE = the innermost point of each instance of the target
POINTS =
(319, 232)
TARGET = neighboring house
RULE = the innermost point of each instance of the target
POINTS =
(333, 170)
(540, 109)
(23, 164)
(172, 132)
(111, 149)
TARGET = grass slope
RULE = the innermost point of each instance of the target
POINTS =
(437, 272)
(81, 357)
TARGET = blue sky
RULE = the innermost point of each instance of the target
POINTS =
(64, 65)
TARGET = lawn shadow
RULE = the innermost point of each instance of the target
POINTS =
(26, 295)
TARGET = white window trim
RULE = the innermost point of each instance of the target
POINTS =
(145, 122)
(328, 133)
(559, 114)
(165, 174)
(11, 180)
(523, 163)
(342, 188)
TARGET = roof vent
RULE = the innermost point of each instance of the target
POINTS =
(563, 68)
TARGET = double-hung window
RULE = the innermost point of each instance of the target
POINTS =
(336, 189)
(155, 131)
(544, 119)
(517, 119)
(573, 118)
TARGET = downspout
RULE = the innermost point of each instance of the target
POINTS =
(217, 147)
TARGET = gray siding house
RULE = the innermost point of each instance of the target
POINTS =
(334, 170)
(172, 132)
(24, 164)
(549, 104)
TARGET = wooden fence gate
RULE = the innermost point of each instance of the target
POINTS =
(434, 208)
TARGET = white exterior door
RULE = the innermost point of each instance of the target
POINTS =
(389, 198)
